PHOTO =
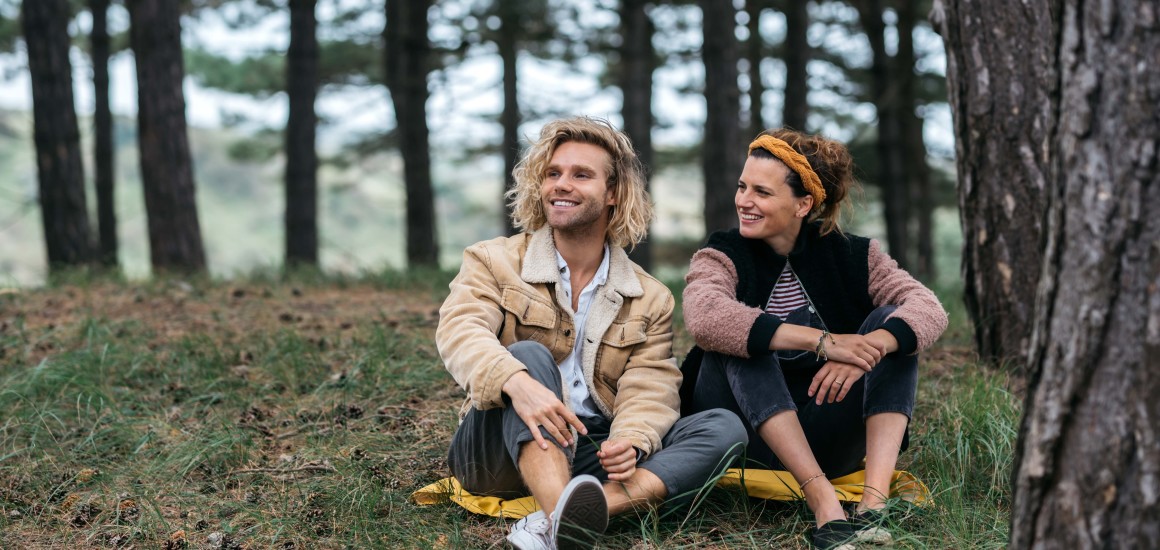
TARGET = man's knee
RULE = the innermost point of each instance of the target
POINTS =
(536, 357)
(729, 429)
(723, 430)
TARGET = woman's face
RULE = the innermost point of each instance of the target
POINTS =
(766, 206)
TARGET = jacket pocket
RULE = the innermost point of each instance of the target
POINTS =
(526, 317)
(625, 334)
(616, 347)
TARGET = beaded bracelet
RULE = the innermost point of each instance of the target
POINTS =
(820, 350)
(807, 482)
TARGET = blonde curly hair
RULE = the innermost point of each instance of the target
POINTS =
(633, 212)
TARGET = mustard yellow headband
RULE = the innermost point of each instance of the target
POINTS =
(796, 162)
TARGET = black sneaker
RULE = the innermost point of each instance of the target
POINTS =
(870, 527)
(835, 535)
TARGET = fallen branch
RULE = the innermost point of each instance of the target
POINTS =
(283, 471)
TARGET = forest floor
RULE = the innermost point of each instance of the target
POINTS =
(302, 413)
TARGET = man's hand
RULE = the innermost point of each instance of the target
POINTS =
(538, 406)
(618, 458)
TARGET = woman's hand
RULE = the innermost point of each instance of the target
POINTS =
(855, 349)
(538, 406)
(833, 381)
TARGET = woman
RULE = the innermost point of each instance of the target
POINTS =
(809, 334)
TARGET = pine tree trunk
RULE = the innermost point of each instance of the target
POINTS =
(166, 167)
(723, 151)
(510, 117)
(755, 51)
(67, 236)
(891, 177)
(407, 68)
(301, 177)
(637, 64)
(103, 146)
(1003, 98)
(1089, 446)
(796, 56)
(1084, 81)
(913, 146)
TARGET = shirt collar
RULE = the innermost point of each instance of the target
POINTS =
(601, 272)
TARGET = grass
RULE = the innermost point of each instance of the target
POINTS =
(302, 412)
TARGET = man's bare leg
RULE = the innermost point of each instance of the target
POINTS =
(643, 489)
(545, 472)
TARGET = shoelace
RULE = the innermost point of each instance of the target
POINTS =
(539, 526)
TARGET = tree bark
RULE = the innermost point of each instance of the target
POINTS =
(408, 64)
(637, 64)
(510, 117)
(166, 167)
(796, 56)
(913, 146)
(723, 152)
(104, 154)
(1096, 338)
(890, 146)
(1088, 452)
(60, 172)
(1003, 95)
(755, 52)
(301, 177)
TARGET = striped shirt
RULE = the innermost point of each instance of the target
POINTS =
(787, 295)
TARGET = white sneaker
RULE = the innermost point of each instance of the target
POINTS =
(532, 532)
(581, 514)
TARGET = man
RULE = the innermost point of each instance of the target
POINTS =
(564, 347)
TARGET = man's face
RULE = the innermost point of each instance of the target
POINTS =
(575, 190)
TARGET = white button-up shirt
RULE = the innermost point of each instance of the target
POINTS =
(571, 371)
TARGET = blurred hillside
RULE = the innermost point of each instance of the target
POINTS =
(360, 209)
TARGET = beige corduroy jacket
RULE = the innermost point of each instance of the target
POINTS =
(508, 290)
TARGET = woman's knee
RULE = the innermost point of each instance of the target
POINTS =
(876, 319)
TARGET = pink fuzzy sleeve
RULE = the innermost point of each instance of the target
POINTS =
(917, 305)
(714, 316)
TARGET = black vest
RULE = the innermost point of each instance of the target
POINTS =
(834, 269)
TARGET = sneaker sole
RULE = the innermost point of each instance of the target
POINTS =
(874, 535)
(582, 517)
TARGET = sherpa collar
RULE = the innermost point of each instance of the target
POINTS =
(540, 265)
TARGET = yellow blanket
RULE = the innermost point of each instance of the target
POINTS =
(767, 484)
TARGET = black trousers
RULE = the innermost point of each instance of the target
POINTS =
(757, 388)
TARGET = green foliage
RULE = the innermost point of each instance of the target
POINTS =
(9, 31)
(259, 147)
(257, 76)
(351, 62)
